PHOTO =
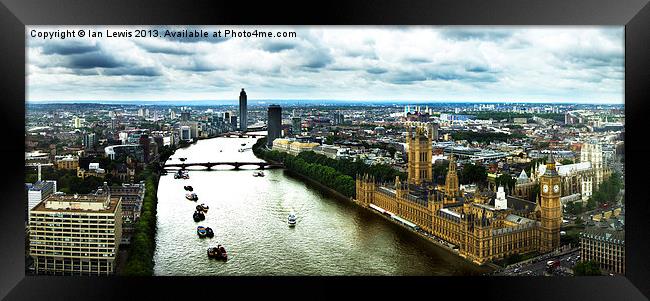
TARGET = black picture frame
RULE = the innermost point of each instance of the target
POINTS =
(634, 14)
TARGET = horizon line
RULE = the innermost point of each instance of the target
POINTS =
(323, 99)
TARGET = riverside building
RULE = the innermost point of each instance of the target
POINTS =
(482, 229)
(75, 234)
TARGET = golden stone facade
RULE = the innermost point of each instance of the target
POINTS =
(481, 232)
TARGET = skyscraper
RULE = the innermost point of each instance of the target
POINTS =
(243, 117)
(274, 125)
(296, 123)
(89, 140)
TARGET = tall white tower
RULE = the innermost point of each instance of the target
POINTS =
(501, 203)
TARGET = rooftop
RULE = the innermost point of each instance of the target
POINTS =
(79, 203)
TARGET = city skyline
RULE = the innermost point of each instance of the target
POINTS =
(392, 64)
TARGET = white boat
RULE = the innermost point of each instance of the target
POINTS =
(291, 220)
(258, 174)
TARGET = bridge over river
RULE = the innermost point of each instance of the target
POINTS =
(236, 165)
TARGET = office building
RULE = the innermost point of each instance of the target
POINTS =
(233, 121)
(605, 245)
(75, 234)
(274, 125)
(296, 124)
(243, 111)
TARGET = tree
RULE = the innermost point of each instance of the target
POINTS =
(566, 161)
(591, 204)
(507, 181)
(473, 174)
(587, 268)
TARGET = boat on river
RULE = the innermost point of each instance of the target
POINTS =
(198, 216)
(291, 220)
(201, 231)
(218, 252)
(202, 208)
(191, 196)
(181, 174)
(258, 174)
(188, 188)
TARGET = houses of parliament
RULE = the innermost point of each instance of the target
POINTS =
(484, 226)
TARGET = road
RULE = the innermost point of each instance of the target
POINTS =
(537, 266)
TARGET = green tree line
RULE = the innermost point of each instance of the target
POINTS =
(140, 260)
(336, 174)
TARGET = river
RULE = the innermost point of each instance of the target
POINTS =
(249, 217)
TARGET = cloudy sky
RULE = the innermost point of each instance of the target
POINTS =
(559, 64)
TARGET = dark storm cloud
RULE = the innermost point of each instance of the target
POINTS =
(91, 60)
(67, 48)
(463, 34)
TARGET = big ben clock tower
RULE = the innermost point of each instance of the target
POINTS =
(551, 209)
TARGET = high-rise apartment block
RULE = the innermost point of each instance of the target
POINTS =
(75, 234)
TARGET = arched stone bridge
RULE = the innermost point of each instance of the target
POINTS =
(236, 165)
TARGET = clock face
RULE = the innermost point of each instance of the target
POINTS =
(545, 188)
(556, 188)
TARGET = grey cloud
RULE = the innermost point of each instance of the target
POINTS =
(92, 60)
(417, 60)
(135, 71)
(477, 69)
(67, 48)
(277, 46)
(119, 71)
(317, 59)
(165, 49)
(464, 34)
(376, 70)
(441, 74)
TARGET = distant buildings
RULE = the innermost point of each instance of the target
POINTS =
(120, 152)
(39, 191)
(274, 125)
(76, 122)
(68, 162)
(75, 234)
(89, 140)
(293, 147)
(185, 133)
(243, 111)
(296, 124)
(132, 196)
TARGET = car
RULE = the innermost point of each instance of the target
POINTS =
(517, 270)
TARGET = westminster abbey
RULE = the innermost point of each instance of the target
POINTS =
(483, 225)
